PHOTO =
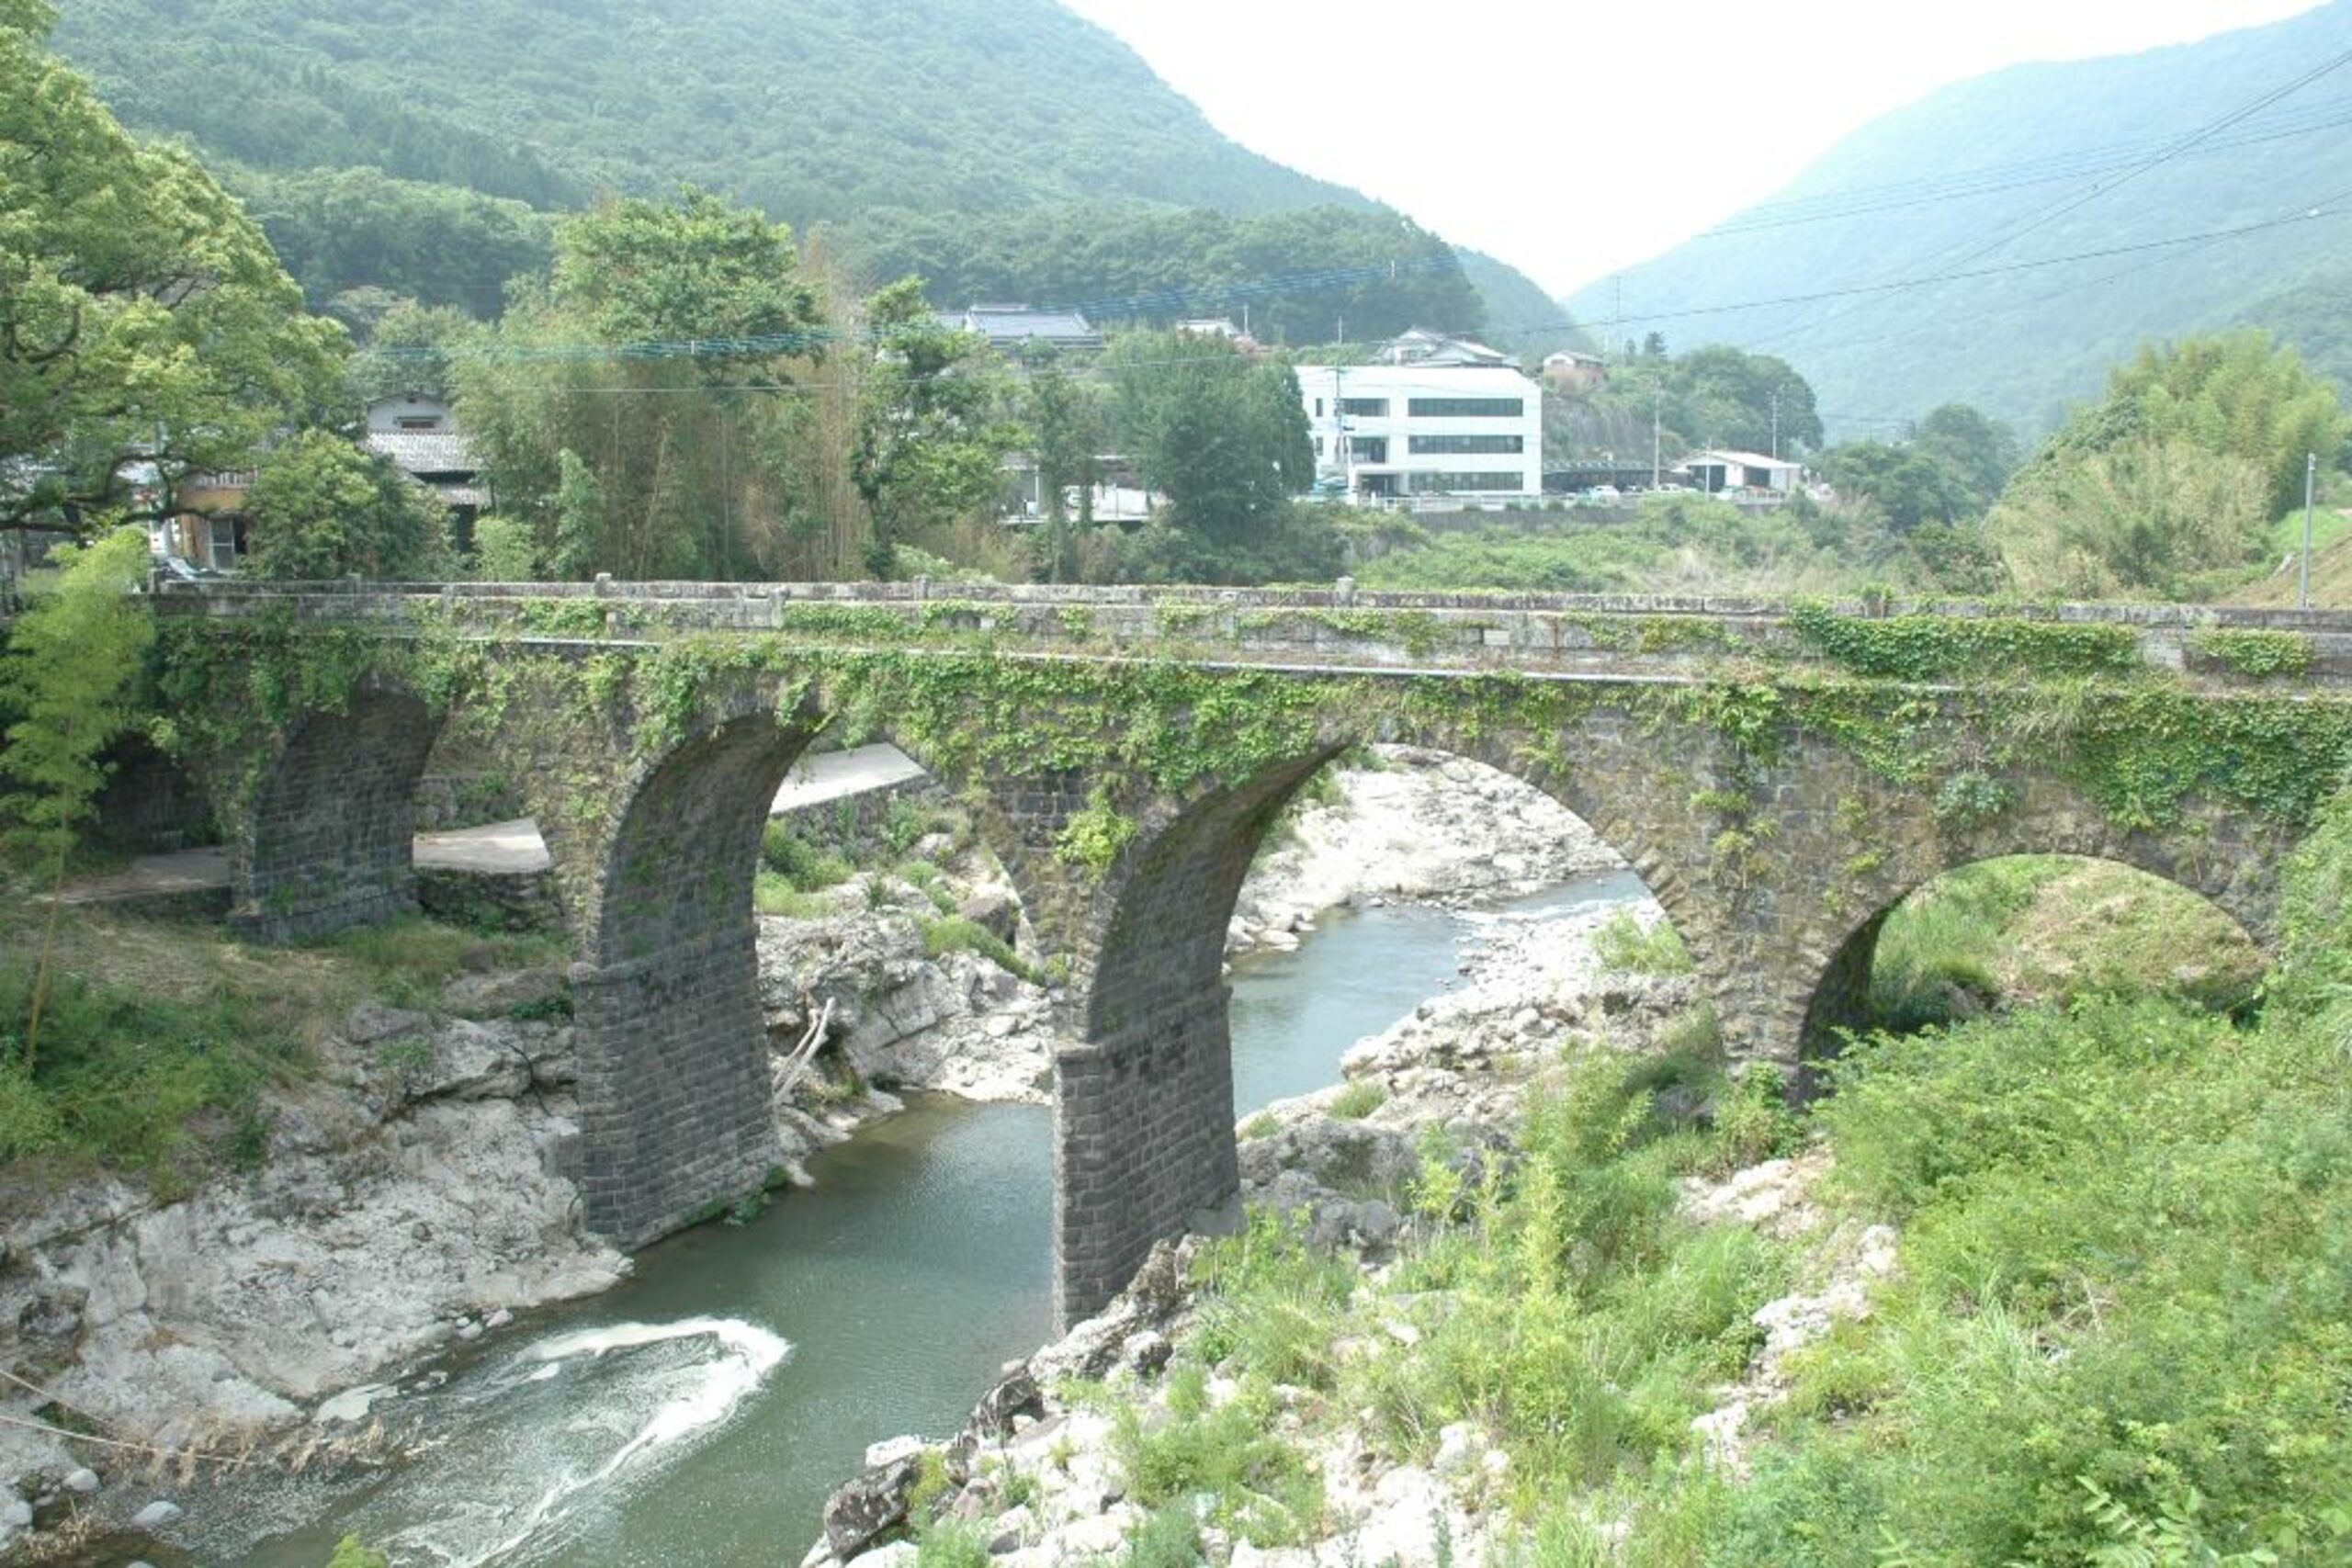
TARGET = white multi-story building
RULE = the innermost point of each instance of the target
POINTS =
(1423, 429)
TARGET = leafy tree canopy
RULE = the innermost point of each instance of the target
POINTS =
(142, 315)
(1712, 397)
(322, 507)
(1908, 485)
(2172, 482)
(1300, 276)
(934, 428)
(1979, 452)
(641, 460)
(1225, 440)
(342, 229)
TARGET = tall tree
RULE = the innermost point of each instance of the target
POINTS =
(143, 319)
(2173, 481)
(322, 507)
(1980, 451)
(1224, 439)
(638, 409)
(934, 430)
(69, 680)
(1065, 416)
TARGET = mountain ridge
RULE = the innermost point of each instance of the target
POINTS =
(818, 111)
(1995, 175)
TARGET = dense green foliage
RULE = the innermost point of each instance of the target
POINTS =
(822, 111)
(322, 507)
(2170, 485)
(1002, 152)
(2113, 1335)
(340, 230)
(933, 429)
(652, 465)
(1934, 187)
(1710, 397)
(1677, 542)
(1224, 439)
(1298, 273)
(70, 687)
(141, 313)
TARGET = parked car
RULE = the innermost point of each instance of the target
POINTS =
(1602, 495)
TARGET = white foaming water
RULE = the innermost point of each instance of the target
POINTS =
(746, 1354)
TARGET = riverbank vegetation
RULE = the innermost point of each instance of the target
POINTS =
(2111, 1332)
(165, 1040)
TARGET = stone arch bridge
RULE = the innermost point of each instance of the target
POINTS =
(1779, 775)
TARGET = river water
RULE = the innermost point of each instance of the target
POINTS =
(702, 1412)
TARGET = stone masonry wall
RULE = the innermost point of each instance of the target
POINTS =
(327, 843)
(1143, 1145)
(674, 1085)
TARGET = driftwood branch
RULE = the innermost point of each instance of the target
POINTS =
(803, 1053)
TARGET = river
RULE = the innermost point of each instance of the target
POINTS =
(702, 1412)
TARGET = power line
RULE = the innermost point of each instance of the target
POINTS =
(2032, 221)
(1854, 201)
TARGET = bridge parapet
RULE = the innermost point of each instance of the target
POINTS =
(1925, 641)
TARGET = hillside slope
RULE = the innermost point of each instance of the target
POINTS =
(1981, 176)
(814, 110)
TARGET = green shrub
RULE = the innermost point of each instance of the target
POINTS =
(137, 1080)
(1254, 1484)
(774, 894)
(952, 1543)
(1357, 1100)
(954, 933)
(1268, 1303)
(1624, 944)
(803, 866)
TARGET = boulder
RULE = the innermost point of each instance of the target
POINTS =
(156, 1515)
(993, 912)
(870, 1506)
(493, 996)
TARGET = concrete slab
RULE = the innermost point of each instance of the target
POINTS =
(833, 775)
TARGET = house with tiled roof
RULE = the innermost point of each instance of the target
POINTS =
(1009, 328)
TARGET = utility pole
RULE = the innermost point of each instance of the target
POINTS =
(1657, 443)
(1776, 424)
(2310, 483)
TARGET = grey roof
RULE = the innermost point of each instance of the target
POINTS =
(424, 451)
(1018, 324)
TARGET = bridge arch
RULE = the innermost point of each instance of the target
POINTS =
(1844, 999)
(1145, 1108)
(673, 1053)
(326, 843)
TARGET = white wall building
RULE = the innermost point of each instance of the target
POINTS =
(1435, 430)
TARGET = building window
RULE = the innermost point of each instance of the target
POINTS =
(1460, 445)
(1368, 448)
(418, 421)
(1468, 408)
(220, 543)
(1364, 408)
(1441, 483)
(1319, 446)
(1318, 408)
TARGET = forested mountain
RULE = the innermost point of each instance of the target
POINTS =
(1295, 273)
(2018, 167)
(898, 120)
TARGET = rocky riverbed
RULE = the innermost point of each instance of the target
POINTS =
(417, 1191)
(1038, 1472)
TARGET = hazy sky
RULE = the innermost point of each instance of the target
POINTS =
(1470, 114)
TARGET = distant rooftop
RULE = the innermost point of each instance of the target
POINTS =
(424, 451)
(1010, 325)
(1421, 346)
